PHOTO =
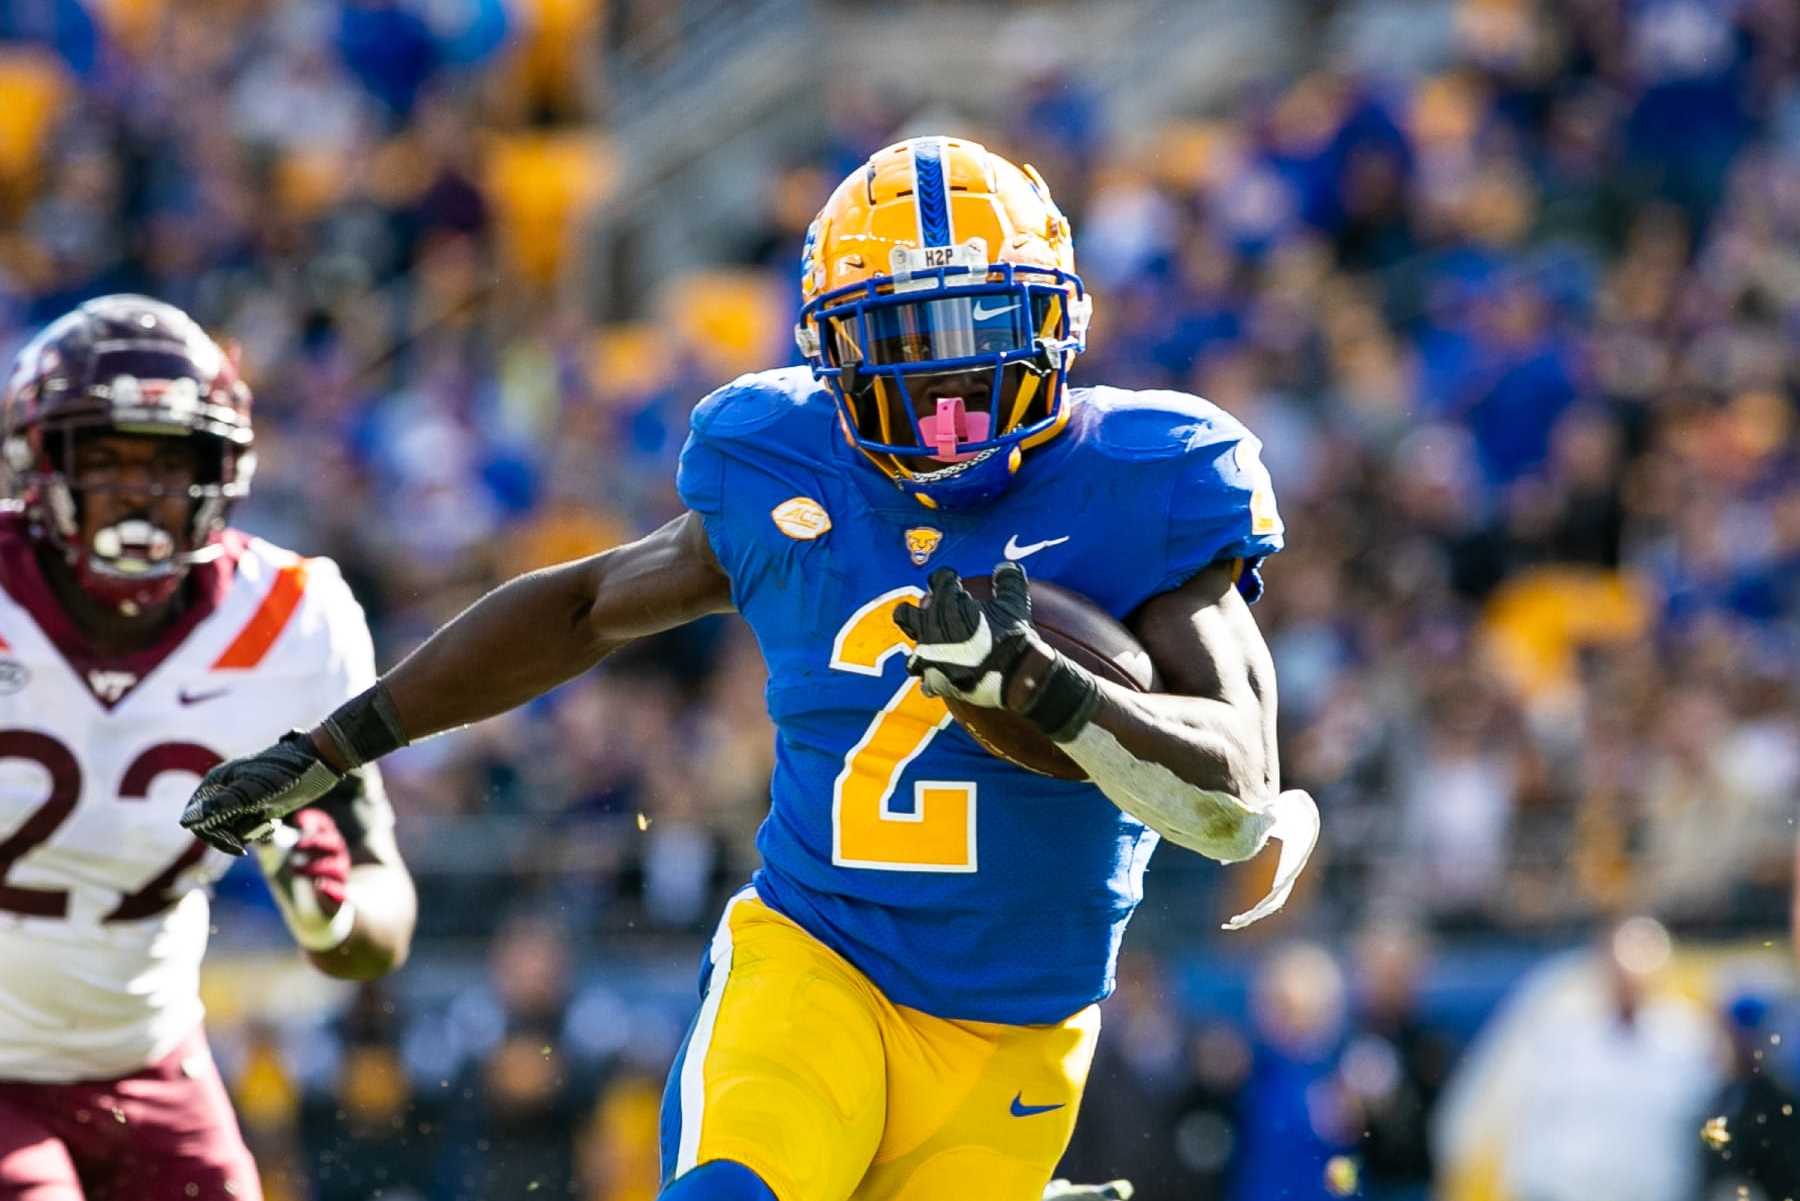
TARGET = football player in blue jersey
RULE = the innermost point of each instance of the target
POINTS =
(900, 1006)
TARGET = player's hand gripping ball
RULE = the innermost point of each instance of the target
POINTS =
(240, 800)
(968, 648)
(1061, 641)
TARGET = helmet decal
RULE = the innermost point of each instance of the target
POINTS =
(928, 190)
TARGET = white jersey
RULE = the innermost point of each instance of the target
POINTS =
(103, 905)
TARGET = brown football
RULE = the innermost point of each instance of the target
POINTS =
(1087, 634)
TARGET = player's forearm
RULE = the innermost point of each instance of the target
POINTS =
(1196, 769)
(387, 908)
(517, 642)
(534, 632)
(1207, 744)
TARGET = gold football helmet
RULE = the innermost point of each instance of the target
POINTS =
(943, 310)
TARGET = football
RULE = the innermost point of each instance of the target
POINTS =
(1090, 636)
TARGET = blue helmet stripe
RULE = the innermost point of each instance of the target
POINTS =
(934, 203)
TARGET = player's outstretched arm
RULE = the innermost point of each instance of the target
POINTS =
(1196, 762)
(517, 642)
(540, 629)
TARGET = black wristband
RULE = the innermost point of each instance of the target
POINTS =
(365, 727)
(1063, 700)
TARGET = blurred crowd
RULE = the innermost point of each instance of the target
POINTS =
(1613, 1069)
(1510, 291)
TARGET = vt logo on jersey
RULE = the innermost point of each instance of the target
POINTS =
(109, 686)
(921, 541)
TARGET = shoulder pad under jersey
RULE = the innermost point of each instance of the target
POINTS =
(779, 421)
(326, 635)
(1221, 502)
(1155, 424)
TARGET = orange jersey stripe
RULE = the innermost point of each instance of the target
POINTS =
(271, 617)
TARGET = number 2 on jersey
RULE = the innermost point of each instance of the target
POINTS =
(938, 835)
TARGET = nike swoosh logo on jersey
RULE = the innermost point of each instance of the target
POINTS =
(197, 698)
(1015, 552)
(981, 314)
(1021, 1110)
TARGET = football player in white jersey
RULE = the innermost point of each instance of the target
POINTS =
(143, 640)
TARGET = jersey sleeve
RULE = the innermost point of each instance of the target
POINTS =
(753, 448)
(339, 629)
(1222, 507)
(359, 803)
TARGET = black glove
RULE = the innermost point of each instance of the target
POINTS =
(986, 653)
(966, 647)
(240, 800)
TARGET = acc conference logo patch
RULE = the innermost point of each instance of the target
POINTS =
(921, 541)
(14, 675)
(801, 518)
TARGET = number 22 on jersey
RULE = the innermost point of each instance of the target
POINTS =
(64, 792)
(938, 834)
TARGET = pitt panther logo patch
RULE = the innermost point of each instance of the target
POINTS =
(921, 542)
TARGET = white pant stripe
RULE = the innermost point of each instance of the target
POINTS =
(693, 1067)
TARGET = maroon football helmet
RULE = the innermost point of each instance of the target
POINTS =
(125, 364)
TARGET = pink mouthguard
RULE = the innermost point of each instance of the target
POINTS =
(952, 426)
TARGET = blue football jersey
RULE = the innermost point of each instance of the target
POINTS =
(961, 885)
